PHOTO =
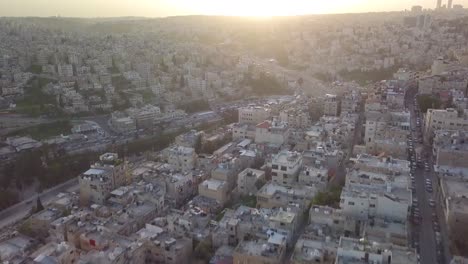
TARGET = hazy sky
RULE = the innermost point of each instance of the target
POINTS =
(157, 8)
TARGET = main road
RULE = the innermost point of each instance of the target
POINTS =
(21, 210)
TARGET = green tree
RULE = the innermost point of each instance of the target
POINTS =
(198, 145)
(427, 101)
(39, 206)
(182, 82)
(328, 198)
(8, 198)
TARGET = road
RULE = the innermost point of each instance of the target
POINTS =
(428, 248)
(20, 210)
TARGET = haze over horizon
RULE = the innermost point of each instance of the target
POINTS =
(163, 8)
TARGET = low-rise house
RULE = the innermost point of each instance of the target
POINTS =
(248, 181)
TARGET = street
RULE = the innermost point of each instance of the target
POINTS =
(424, 232)
(20, 210)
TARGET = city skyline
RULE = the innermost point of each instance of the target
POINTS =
(164, 8)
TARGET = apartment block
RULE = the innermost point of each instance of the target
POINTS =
(272, 132)
(101, 179)
(253, 114)
(447, 119)
(248, 180)
(285, 167)
(331, 105)
(182, 158)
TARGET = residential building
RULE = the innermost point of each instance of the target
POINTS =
(447, 119)
(215, 189)
(295, 118)
(285, 167)
(331, 105)
(450, 148)
(182, 158)
(351, 250)
(273, 195)
(261, 251)
(249, 180)
(272, 132)
(253, 114)
(312, 176)
(454, 193)
(363, 203)
(101, 179)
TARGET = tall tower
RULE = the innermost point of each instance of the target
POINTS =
(439, 4)
(449, 4)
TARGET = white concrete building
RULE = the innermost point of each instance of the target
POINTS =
(65, 70)
(247, 181)
(285, 167)
(352, 250)
(272, 132)
(253, 114)
(387, 203)
(331, 106)
(182, 158)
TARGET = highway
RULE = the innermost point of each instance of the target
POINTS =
(20, 210)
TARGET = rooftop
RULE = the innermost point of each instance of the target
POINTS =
(259, 248)
(283, 217)
(213, 184)
(287, 158)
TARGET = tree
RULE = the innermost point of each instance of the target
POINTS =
(39, 206)
(427, 101)
(182, 82)
(329, 198)
(204, 251)
(8, 198)
(300, 81)
(198, 145)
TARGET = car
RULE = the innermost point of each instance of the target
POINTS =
(429, 189)
(427, 169)
(431, 202)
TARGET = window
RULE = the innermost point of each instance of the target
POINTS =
(372, 205)
(285, 175)
(350, 203)
(284, 168)
(274, 174)
(275, 167)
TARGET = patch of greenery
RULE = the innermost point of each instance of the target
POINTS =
(35, 102)
(265, 84)
(370, 76)
(427, 101)
(195, 106)
(7, 198)
(43, 131)
(328, 198)
(37, 69)
(249, 200)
